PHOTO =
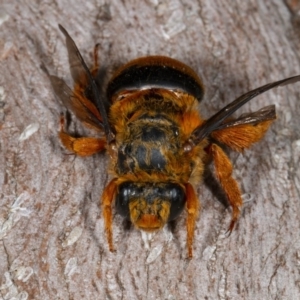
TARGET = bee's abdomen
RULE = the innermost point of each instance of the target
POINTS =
(156, 72)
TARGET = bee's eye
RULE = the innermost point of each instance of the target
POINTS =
(127, 191)
(177, 199)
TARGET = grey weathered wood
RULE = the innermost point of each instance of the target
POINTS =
(52, 242)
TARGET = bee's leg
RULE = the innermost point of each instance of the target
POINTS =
(82, 146)
(223, 169)
(107, 199)
(96, 57)
(193, 207)
(95, 67)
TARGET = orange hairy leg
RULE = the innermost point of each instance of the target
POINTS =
(223, 169)
(107, 199)
(241, 136)
(192, 206)
(82, 146)
(237, 138)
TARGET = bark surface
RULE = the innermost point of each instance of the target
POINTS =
(52, 242)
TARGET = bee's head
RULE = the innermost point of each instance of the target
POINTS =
(149, 206)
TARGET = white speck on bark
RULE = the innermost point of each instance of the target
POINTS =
(29, 131)
(71, 266)
(73, 236)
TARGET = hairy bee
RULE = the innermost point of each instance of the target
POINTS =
(157, 141)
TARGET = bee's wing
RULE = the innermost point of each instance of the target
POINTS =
(215, 122)
(267, 113)
(78, 69)
(83, 109)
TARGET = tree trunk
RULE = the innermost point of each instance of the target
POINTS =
(53, 244)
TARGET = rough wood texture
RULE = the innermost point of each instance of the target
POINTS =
(52, 244)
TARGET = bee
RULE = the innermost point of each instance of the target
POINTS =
(157, 141)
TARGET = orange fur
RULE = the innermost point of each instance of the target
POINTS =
(193, 207)
(107, 199)
(149, 217)
(181, 110)
(184, 109)
(241, 136)
(149, 223)
(223, 169)
(83, 146)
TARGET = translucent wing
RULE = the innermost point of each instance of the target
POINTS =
(82, 76)
(267, 113)
(215, 122)
(76, 68)
(83, 109)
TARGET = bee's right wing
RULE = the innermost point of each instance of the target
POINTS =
(216, 122)
(267, 113)
(239, 134)
(83, 109)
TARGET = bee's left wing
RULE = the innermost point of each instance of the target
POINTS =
(83, 109)
(75, 59)
(81, 73)
(218, 121)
